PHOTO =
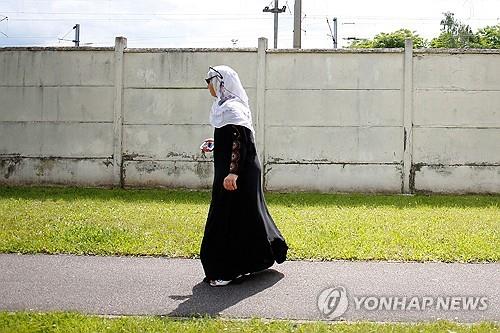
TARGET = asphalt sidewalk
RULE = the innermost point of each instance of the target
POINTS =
(375, 291)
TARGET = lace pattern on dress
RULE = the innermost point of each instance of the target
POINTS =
(235, 155)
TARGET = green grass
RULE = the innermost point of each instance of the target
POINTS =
(316, 226)
(69, 322)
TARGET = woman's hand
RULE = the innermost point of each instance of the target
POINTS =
(230, 182)
(207, 146)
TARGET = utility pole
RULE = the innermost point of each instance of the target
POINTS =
(334, 33)
(297, 24)
(275, 11)
(77, 35)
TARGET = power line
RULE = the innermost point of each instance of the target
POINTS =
(238, 16)
(28, 37)
(3, 19)
(127, 13)
(140, 38)
(135, 20)
(391, 18)
(67, 33)
(360, 21)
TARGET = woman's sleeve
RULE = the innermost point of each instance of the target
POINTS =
(239, 149)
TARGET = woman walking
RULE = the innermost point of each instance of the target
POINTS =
(240, 235)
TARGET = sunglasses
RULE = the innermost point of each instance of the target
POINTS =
(217, 75)
(210, 78)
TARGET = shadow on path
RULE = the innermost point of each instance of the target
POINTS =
(207, 300)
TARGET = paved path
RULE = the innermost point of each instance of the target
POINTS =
(151, 285)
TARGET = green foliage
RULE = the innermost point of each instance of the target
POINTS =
(455, 34)
(445, 40)
(449, 23)
(362, 44)
(391, 40)
(489, 37)
(69, 322)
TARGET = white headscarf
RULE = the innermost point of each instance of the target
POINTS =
(231, 105)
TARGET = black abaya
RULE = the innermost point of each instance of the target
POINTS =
(240, 235)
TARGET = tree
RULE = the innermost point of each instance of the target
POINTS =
(361, 44)
(455, 34)
(489, 37)
(450, 25)
(390, 40)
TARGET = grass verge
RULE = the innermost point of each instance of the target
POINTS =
(452, 228)
(69, 322)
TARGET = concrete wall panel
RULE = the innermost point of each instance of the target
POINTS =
(62, 171)
(334, 177)
(458, 179)
(169, 174)
(334, 144)
(56, 104)
(185, 69)
(334, 71)
(56, 139)
(333, 107)
(456, 146)
(457, 71)
(457, 108)
(170, 106)
(42, 68)
(162, 142)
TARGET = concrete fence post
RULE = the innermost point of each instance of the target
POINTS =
(261, 105)
(407, 186)
(120, 45)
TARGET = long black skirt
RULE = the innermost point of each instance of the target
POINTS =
(240, 235)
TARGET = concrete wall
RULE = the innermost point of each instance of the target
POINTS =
(166, 105)
(56, 118)
(456, 134)
(337, 125)
(368, 121)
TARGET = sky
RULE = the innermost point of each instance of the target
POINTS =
(224, 23)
